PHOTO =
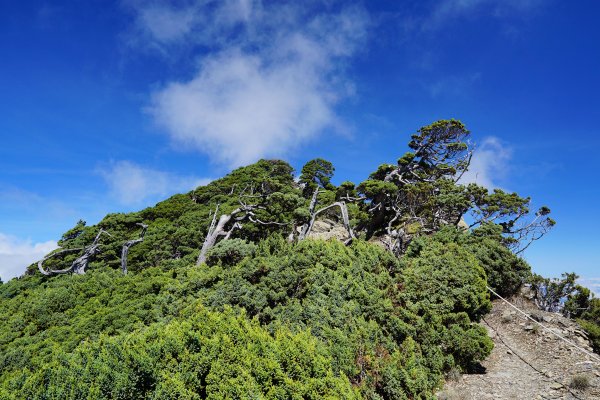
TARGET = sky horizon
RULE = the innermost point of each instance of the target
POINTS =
(111, 106)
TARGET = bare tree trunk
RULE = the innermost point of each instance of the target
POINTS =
(206, 245)
(60, 271)
(311, 209)
(80, 264)
(345, 219)
(215, 230)
(128, 244)
(219, 228)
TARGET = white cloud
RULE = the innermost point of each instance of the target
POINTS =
(132, 184)
(269, 83)
(16, 254)
(163, 23)
(489, 164)
(238, 109)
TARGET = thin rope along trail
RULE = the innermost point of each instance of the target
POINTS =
(588, 353)
(527, 362)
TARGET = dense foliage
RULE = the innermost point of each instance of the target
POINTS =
(388, 327)
(264, 310)
(200, 355)
(506, 272)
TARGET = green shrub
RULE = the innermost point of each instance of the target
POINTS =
(391, 328)
(444, 278)
(505, 271)
(207, 355)
(230, 252)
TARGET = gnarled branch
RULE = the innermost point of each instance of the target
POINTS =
(217, 228)
(80, 264)
(311, 210)
(345, 219)
(130, 243)
(60, 271)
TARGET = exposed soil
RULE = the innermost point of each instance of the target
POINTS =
(529, 362)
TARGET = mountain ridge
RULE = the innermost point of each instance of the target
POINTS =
(118, 311)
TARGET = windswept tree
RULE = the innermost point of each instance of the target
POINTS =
(512, 212)
(422, 193)
(316, 173)
(549, 294)
(228, 222)
(316, 178)
(419, 194)
(250, 203)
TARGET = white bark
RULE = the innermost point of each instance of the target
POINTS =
(311, 209)
(345, 218)
(215, 230)
(128, 244)
(80, 264)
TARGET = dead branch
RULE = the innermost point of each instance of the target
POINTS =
(345, 219)
(218, 228)
(311, 210)
(130, 243)
(60, 271)
(80, 264)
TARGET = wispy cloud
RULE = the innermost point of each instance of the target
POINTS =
(447, 10)
(16, 254)
(165, 23)
(269, 77)
(206, 22)
(489, 164)
(591, 283)
(132, 184)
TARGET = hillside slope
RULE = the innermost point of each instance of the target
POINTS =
(529, 362)
(226, 291)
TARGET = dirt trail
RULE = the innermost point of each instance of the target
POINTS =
(528, 362)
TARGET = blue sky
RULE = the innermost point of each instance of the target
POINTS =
(109, 106)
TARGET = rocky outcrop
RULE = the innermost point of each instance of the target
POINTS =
(328, 229)
(529, 362)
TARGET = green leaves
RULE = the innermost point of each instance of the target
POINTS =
(230, 252)
(72, 233)
(316, 173)
(208, 355)
(445, 278)
(320, 320)
(376, 189)
(590, 321)
(549, 293)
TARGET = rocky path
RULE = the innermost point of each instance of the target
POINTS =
(528, 362)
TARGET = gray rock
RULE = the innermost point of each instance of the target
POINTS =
(537, 317)
(556, 386)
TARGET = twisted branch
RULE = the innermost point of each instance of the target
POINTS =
(130, 243)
